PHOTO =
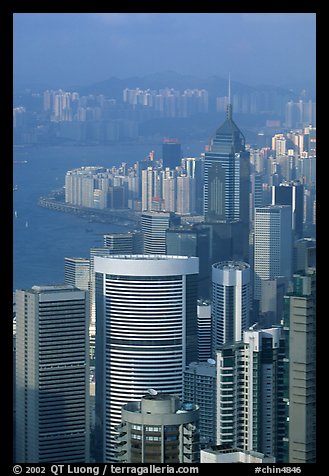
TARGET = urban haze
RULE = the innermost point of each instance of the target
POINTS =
(164, 191)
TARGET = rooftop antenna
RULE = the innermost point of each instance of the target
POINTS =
(229, 88)
(229, 106)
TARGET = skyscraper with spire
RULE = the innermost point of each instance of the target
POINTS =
(226, 186)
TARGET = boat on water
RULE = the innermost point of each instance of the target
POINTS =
(20, 161)
(15, 188)
(16, 214)
(26, 224)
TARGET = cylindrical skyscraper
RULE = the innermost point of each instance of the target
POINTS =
(231, 301)
(146, 331)
(159, 429)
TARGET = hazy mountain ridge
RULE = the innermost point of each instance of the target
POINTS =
(215, 85)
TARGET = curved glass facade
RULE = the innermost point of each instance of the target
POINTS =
(146, 333)
(231, 301)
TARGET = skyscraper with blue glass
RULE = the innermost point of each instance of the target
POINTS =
(226, 188)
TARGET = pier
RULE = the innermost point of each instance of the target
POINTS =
(122, 217)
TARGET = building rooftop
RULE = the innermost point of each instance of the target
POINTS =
(146, 257)
(53, 288)
(226, 449)
(159, 403)
(231, 265)
(76, 258)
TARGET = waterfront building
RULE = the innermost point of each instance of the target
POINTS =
(80, 185)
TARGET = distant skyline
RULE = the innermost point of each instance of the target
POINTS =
(63, 49)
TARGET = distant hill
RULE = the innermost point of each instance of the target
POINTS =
(215, 85)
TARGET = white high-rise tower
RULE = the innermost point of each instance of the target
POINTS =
(231, 301)
(146, 331)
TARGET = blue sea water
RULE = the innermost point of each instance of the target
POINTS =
(42, 237)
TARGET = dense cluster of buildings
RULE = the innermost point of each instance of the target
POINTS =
(73, 117)
(200, 325)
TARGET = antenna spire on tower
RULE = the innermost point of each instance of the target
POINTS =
(229, 88)
(229, 105)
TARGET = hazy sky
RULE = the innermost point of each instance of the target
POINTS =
(82, 48)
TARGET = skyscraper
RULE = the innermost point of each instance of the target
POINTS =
(169, 188)
(304, 255)
(76, 272)
(228, 241)
(154, 226)
(300, 322)
(151, 186)
(159, 429)
(204, 330)
(291, 193)
(119, 243)
(97, 251)
(226, 190)
(273, 245)
(146, 311)
(185, 195)
(250, 383)
(226, 174)
(200, 389)
(257, 199)
(272, 298)
(194, 169)
(192, 240)
(171, 153)
(230, 302)
(52, 375)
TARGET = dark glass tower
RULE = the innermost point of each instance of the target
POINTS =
(226, 189)
(171, 153)
(227, 182)
(291, 193)
(192, 240)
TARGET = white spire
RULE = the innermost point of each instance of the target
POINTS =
(229, 88)
(229, 105)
